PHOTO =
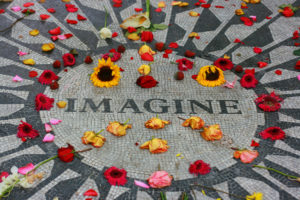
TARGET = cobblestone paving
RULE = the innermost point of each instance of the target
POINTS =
(233, 109)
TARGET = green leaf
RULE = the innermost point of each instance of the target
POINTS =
(297, 52)
(127, 33)
(160, 26)
(284, 5)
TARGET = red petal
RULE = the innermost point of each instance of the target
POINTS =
(23, 139)
(2, 11)
(295, 35)
(254, 144)
(165, 55)
(173, 45)
(117, 5)
(33, 74)
(205, 5)
(297, 44)
(115, 34)
(71, 8)
(168, 51)
(51, 10)
(194, 76)
(26, 5)
(55, 31)
(257, 50)
(202, 1)
(249, 71)
(278, 72)
(219, 6)
(70, 21)
(261, 64)
(138, 9)
(237, 40)
(54, 38)
(80, 17)
(121, 69)
(90, 192)
(268, 17)
(247, 21)
(44, 16)
(147, 57)
(68, 35)
(197, 4)
(131, 58)
(118, 1)
(158, 10)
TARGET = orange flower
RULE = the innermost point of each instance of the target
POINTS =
(156, 123)
(90, 137)
(212, 132)
(156, 145)
(146, 49)
(117, 129)
(194, 123)
(246, 156)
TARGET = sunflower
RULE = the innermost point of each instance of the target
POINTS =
(106, 74)
(210, 76)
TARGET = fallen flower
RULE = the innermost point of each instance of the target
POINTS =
(55, 31)
(71, 8)
(144, 69)
(173, 45)
(156, 123)
(189, 54)
(257, 50)
(247, 21)
(269, 102)
(44, 16)
(199, 167)
(146, 49)
(160, 179)
(29, 61)
(47, 77)
(195, 123)
(95, 139)
(184, 64)
(117, 128)
(223, 64)
(274, 133)
(248, 80)
(66, 154)
(146, 81)
(245, 155)
(48, 47)
(25, 130)
(146, 36)
(43, 102)
(212, 132)
(155, 145)
(49, 137)
(261, 64)
(210, 76)
(115, 176)
(88, 60)
(68, 59)
(254, 144)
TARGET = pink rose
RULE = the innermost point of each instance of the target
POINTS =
(160, 179)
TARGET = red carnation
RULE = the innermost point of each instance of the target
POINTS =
(80, 17)
(42, 102)
(25, 130)
(269, 102)
(223, 63)
(47, 77)
(147, 36)
(189, 54)
(69, 59)
(184, 64)
(146, 81)
(288, 12)
(113, 55)
(115, 176)
(274, 133)
(199, 167)
(56, 64)
(159, 46)
(66, 154)
(248, 81)
(55, 31)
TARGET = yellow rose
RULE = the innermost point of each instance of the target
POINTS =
(156, 123)
(212, 132)
(117, 129)
(239, 12)
(156, 145)
(146, 49)
(194, 123)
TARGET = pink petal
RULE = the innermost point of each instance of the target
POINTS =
(253, 18)
(21, 53)
(16, 8)
(55, 121)
(141, 184)
(26, 168)
(3, 174)
(62, 37)
(298, 77)
(17, 79)
(49, 138)
(48, 128)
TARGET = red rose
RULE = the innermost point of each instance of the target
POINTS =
(159, 46)
(88, 60)
(146, 81)
(69, 59)
(147, 36)
(184, 64)
(199, 167)
(66, 154)
(288, 12)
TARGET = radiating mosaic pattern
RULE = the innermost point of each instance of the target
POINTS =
(234, 109)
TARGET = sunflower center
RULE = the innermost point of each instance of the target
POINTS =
(105, 74)
(48, 75)
(212, 76)
(116, 174)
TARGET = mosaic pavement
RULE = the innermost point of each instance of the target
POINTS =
(234, 109)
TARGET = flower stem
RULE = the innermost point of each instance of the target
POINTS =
(126, 122)
(275, 170)
(211, 188)
(148, 8)
(84, 150)
(7, 192)
(41, 163)
(181, 118)
(99, 132)
(106, 14)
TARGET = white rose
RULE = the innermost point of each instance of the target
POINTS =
(105, 33)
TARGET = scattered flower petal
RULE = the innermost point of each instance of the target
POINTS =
(27, 168)
(49, 137)
(55, 121)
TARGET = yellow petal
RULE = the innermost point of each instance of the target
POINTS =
(133, 36)
(29, 61)
(239, 12)
(193, 14)
(48, 47)
(179, 154)
(66, 1)
(193, 34)
(184, 4)
(176, 3)
(161, 4)
(254, 1)
(61, 104)
(144, 69)
(203, 192)
(226, 56)
(34, 32)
